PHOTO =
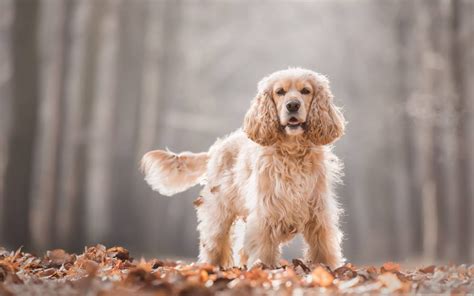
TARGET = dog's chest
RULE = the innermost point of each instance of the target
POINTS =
(293, 183)
(292, 186)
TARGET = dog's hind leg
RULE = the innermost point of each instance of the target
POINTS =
(215, 224)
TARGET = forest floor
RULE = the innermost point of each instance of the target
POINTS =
(113, 272)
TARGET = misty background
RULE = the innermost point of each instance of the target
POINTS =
(88, 86)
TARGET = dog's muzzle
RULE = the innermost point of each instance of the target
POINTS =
(294, 123)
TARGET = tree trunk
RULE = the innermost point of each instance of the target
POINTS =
(23, 126)
(461, 21)
(68, 218)
(125, 131)
(148, 127)
(52, 23)
(99, 158)
(6, 19)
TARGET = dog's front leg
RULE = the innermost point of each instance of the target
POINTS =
(260, 243)
(323, 241)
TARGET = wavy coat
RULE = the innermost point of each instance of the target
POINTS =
(279, 184)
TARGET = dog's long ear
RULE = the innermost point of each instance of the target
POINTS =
(325, 122)
(261, 121)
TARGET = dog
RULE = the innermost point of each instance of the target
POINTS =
(277, 173)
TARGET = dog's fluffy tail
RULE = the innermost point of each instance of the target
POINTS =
(170, 173)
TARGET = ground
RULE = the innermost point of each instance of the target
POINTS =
(112, 271)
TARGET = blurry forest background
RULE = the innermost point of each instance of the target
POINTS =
(88, 86)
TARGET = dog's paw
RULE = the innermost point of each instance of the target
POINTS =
(258, 264)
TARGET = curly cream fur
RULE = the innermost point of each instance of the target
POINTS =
(279, 184)
(326, 122)
(259, 123)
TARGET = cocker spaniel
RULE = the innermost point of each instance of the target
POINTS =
(277, 174)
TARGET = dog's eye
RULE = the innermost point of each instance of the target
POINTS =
(305, 91)
(280, 92)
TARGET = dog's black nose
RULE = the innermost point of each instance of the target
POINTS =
(293, 106)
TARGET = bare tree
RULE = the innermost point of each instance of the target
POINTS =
(23, 125)
(52, 24)
(462, 38)
(99, 160)
(68, 219)
(147, 129)
(6, 19)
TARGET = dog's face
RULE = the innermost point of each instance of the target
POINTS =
(294, 102)
(292, 97)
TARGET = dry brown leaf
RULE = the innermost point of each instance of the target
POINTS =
(96, 253)
(89, 266)
(58, 257)
(345, 272)
(298, 262)
(47, 272)
(322, 277)
(119, 253)
(6, 268)
(390, 267)
(112, 271)
(428, 269)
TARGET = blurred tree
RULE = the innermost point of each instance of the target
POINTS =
(24, 105)
(6, 19)
(103, 110)
(81, 31)
(462, 42)
(51, 46)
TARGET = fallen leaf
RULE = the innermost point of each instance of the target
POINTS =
(47, 272)
(345, 272)
(119, 253)
(111, 271)
(322, 277)
(390, 267)
(6, 268)
(298, 262)
(58, 257)
(428, 269)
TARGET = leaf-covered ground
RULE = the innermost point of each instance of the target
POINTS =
(112, 271)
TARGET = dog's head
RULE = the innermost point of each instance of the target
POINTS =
(294, 102)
